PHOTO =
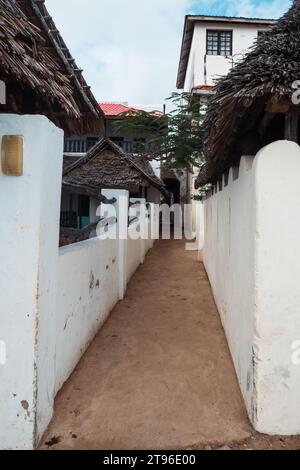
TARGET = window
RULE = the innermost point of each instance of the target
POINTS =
(117, 140)
(90, 142)
(83, 211)
(219, 43)
(75, 146)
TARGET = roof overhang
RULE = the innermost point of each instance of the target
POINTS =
(188, 33)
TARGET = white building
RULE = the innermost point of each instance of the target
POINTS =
(211, 45)
(252, 221)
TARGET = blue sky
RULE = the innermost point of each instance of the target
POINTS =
(248, 8)
(129, 49)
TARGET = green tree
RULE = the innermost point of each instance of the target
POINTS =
(175, 138)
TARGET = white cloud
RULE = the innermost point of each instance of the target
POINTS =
(130, 49)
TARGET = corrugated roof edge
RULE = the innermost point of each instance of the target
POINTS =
(233, 19)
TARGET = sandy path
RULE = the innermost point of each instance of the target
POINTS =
(159, 374)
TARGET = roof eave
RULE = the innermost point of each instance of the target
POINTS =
(180, 77)
(232, 19)
(203, 92)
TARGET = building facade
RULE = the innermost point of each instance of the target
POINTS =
(131, 143)
(211, 45)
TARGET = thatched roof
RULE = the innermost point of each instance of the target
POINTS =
(40, 74)
(68, 161)
(249, 107)
(107, 166)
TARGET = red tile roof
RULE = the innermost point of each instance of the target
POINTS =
(114, 109)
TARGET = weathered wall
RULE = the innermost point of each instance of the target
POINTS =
(92, 277)
(151, 227)
(252, 259)
(137, 232)
(134, 251)
(228, 256)
(28, 252)
(87, 292)
(52, 301)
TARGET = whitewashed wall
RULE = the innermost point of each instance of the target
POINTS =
(87, 292)
(29, 235)
(141, 234)
(134, 252)
(252, 258)
(89, 275)
(52, 301)
(151, 227)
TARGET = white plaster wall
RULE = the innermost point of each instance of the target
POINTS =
(133, 250)
(156, 166)
(51, 143)
(88, 291)
(244, 36)
(148, 242)
(251, 257)
(228, 256)
(52, 301)
(141, 234)
(28, 252)
(277, 288)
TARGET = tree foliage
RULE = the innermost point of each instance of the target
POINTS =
(175, 138)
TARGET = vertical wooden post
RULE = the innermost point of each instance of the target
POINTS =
(291, 125)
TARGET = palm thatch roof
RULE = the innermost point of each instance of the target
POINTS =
(40, 74)
(107, 166)
(253, 104)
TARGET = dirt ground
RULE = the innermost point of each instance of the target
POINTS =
(159, 374)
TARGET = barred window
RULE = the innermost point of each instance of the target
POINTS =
(90, 142)
(219, 43)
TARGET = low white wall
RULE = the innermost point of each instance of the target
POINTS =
(133, 251)
(89, 278)
(52, 301)
(148, 242)
(142, 234)
(87, 292)
(30, 206)
(252, 258)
